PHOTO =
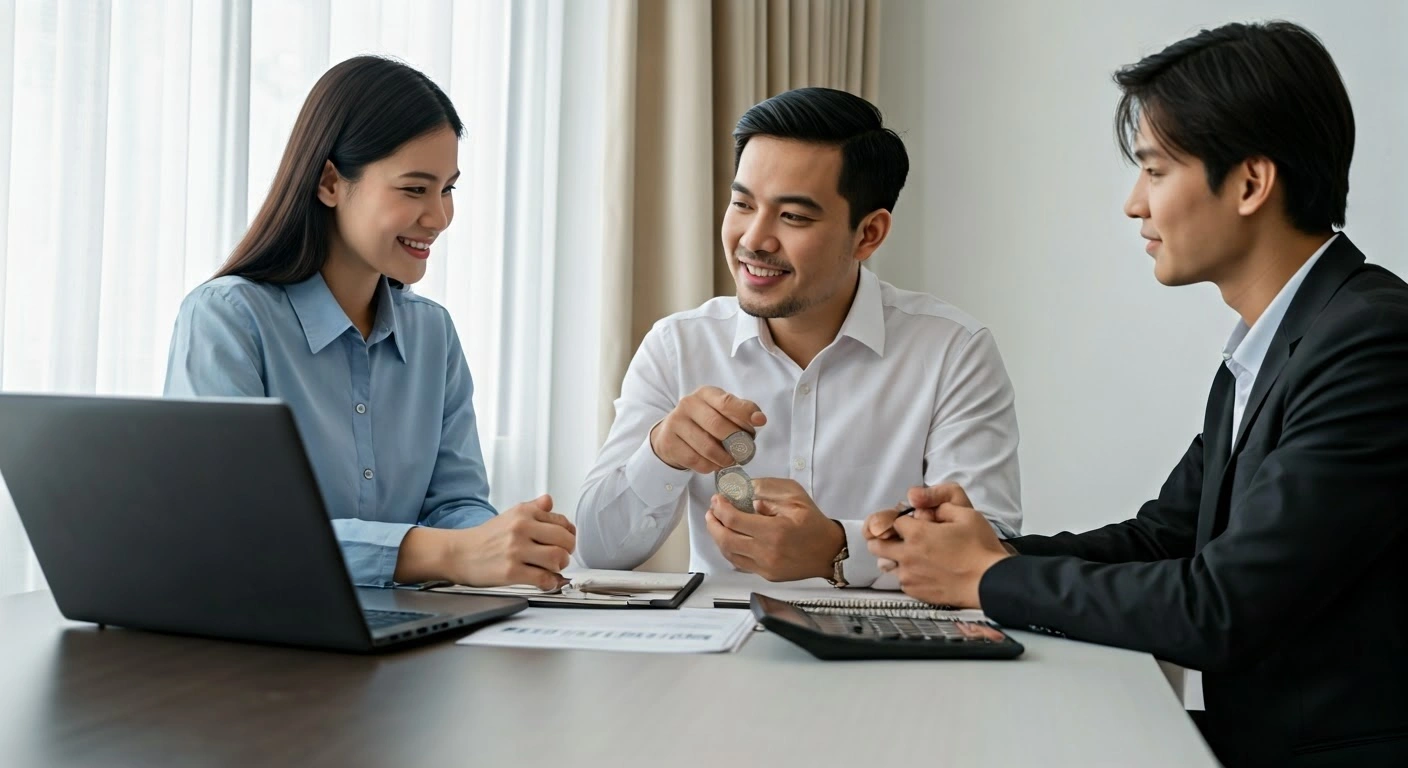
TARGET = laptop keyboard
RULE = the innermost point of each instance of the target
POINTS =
(382, 619)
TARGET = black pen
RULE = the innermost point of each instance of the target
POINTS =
(905, 510)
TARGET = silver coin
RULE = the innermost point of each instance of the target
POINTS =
(735, 485)
(740, 446)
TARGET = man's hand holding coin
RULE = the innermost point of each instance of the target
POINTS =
(692, 435)
(787, 539)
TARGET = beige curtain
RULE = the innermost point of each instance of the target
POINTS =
(680, 74)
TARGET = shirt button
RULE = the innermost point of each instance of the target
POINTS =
(361, 408)
(367, 473)
(799, 464)
(669, 486)
(806, 389)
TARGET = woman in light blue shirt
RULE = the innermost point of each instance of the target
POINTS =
(311, 307)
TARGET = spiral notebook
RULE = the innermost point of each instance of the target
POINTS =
(887, 607)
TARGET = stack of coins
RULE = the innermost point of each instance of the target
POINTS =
(732, 482)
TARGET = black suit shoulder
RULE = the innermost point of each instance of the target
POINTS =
(1372, 300)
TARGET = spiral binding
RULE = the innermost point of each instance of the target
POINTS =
(890, 609)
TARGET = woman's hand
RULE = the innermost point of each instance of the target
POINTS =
(527, 544)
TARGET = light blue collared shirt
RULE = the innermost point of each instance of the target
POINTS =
(388, 422)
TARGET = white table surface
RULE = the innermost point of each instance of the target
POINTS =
(83, 697)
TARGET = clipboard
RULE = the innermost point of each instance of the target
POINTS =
(594, 589)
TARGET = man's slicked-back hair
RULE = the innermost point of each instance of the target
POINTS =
(874, 163)
(1249, 90)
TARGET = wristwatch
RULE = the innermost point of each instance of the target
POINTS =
(838, 571)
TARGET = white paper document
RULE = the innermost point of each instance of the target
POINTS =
(687, 630)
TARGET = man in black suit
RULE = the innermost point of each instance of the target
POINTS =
(1272, 558)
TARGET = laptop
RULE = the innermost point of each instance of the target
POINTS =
(199, 517)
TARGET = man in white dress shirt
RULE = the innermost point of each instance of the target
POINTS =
(855, 390)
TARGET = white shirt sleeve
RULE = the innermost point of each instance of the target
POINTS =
(631, 500)
(973, 436)
(972, 441)
(861, 568)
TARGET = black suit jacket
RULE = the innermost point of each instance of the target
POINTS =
(1278, 566)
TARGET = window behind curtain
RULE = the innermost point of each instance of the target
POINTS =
(138, 138)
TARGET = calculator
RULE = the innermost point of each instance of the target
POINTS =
(861, 636)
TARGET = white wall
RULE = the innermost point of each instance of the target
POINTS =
(1013, 212)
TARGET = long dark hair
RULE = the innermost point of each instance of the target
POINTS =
(360, 111)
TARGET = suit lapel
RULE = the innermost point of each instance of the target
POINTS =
(1276, 356)
(1217, 442)
(1338, 262)
(1335, 266)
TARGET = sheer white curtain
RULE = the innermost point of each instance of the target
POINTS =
(137, 137)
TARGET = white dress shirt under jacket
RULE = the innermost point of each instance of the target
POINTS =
(912, 391)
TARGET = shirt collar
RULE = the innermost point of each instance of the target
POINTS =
(865, 322)
(1246, 348)
(323, 320)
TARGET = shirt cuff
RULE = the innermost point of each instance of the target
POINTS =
(654, 481)
(860, 567)
(371, 551)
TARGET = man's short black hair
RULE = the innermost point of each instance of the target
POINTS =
(1250, 90)
(873, 161)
